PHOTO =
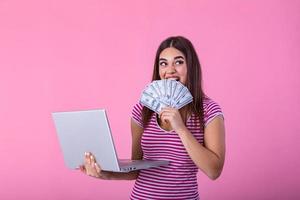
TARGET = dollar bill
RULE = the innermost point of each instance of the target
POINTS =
(152, 103)
(165, 93)
(150, 90)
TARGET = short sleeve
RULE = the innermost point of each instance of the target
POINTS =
(211, 110)
(136, 114)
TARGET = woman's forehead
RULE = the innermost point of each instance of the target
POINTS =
(170, 52)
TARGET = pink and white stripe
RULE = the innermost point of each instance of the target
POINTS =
(178, 180)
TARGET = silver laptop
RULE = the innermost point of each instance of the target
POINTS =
(88, 131)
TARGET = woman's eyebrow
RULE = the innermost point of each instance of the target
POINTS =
(163, 59)
(179, 57)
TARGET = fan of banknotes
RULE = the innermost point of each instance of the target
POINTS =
(165, 93)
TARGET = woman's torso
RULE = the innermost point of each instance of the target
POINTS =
(178, 180)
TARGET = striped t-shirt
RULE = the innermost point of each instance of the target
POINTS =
(178, 180)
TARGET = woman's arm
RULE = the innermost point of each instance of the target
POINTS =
(93, 169)
(208, 158)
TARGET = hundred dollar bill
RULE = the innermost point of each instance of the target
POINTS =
(152, 103)
(150, 89)
(169, 88)
(177, 93)
(186, 99)
(165, 93)
(160, 87)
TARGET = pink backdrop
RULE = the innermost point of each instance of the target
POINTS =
(66, 54)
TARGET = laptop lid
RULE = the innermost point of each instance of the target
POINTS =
(86, 131)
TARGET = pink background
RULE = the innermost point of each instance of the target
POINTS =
(65, 55)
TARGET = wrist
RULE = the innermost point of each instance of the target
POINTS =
(182, 130)
(106, 175)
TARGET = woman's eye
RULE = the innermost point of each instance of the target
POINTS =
(179, 62)
(162, 64)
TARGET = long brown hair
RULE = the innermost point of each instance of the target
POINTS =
(194, 76)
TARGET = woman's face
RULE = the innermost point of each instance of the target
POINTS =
(172, 65)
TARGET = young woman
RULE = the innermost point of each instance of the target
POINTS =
(191, 138)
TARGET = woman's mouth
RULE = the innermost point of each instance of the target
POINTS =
(173, 78)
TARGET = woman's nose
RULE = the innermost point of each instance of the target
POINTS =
(171, 69)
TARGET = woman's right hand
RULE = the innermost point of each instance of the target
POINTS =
(91, 167)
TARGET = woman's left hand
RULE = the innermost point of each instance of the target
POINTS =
(172, 116)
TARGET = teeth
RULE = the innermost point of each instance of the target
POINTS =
(175, 79)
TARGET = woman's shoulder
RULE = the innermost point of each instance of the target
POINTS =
(208, 102)
(138, 106)
(211, 109)
(137, 109)
(136, 113)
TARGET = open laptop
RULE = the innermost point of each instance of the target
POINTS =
(89, 131)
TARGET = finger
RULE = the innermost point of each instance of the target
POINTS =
(161, 113)
(168, 109)
(164, 115)
(86, 159)
(92, 159)
(90, 164)
(97, 167)
(168, 117)
(169, 114)
(165, 118)
(82, 169)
